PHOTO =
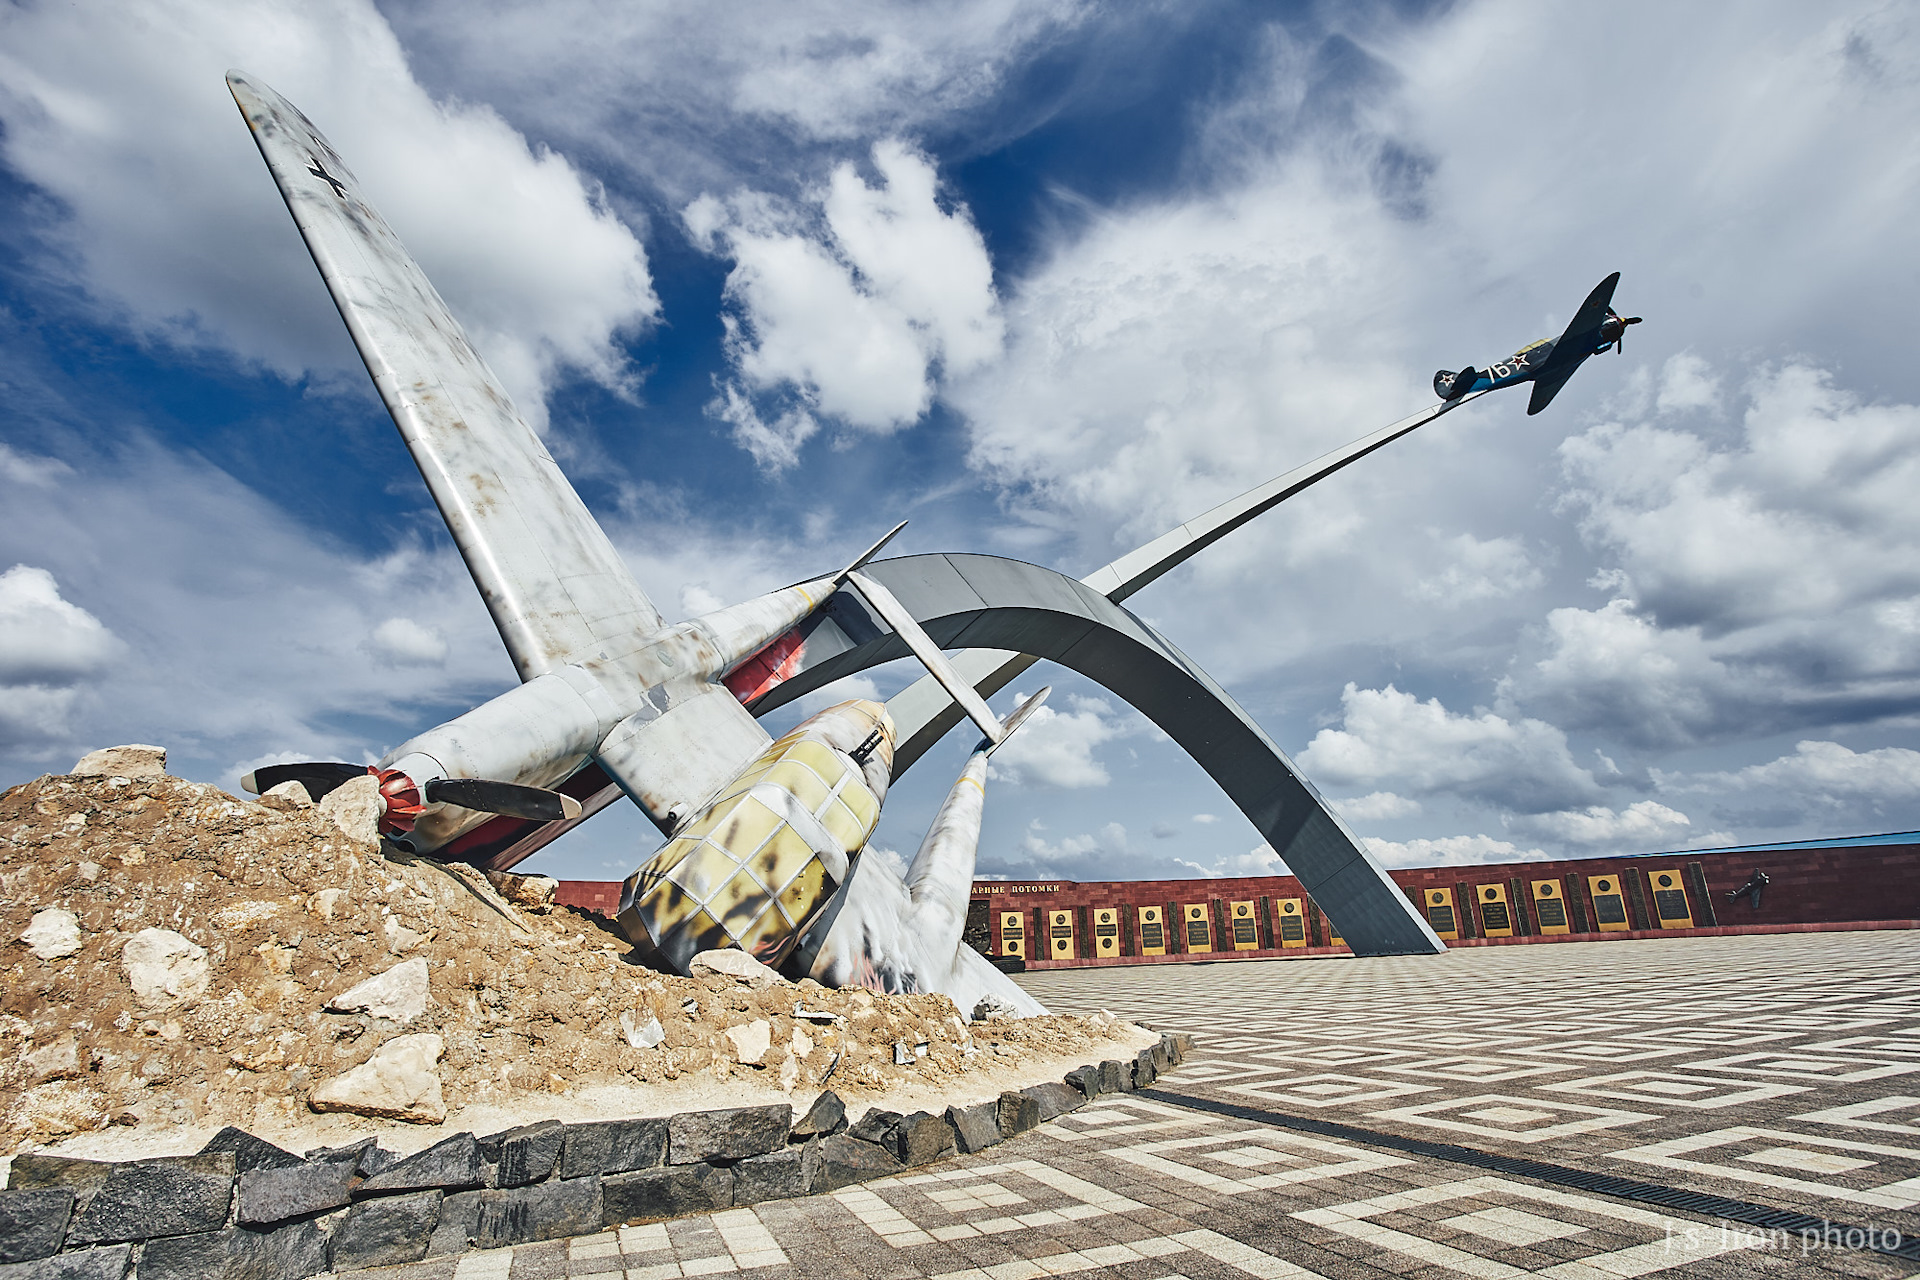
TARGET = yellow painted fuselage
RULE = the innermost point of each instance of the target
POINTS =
(760, 860)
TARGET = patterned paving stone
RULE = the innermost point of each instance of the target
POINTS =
(1782, 1070)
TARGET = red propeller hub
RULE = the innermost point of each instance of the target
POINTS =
(404, 804)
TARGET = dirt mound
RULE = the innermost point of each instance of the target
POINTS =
(172, 953)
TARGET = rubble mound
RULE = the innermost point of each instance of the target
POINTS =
(177, 957)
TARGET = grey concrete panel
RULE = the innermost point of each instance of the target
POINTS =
(996, 603)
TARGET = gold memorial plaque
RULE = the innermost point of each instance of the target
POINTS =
(1290, 916)
(1496, 914)
(1244, 925)
(1013, 934)
(1060, 935)
(1106, 931)
(1153, 932)
(1440, 914)
(1609, 904)
(1199, 927)
(1550, 907)
(1670, 900)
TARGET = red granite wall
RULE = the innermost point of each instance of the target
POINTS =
(1809, 888)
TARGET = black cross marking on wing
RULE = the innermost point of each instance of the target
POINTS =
(319, 171)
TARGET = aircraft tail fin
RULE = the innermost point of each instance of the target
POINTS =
(1449, 385)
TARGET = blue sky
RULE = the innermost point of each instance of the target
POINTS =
(1045, 279)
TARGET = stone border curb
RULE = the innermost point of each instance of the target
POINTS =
(244, 1209)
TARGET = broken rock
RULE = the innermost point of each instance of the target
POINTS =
(990, 1006)
(53, 934)
(386, 1231)
(293, 1191)
(733, 1134)
(641, 1034)
(32, 1223)
(751, 1041)
(733, 963)
(399, 1082)
(452, 1164)
(290, 794)
(398, 995)
(172, 1196)
(827, 1115)
(164, 969)
(975, 1127)
(534, 893)
(136, 760)
(356, 807)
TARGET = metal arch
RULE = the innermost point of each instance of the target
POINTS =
(986, 602)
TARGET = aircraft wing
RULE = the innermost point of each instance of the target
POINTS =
(1548, 384)
(556, 588)
(1585, 320)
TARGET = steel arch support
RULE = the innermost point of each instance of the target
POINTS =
(987, 602)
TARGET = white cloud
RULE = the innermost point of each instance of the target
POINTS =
(853, 310)
(23, 468)
(45, 639)
(1480, 570)
(1388, 736)
(1822, 784)
(32, 715)
(1642, 826)
(120, 111)
(1260, 860)
(1831, 771)
(226, 657)
(695, 99)
(1378, 806)
(1616, 670)
(1205, 819)
(1768, 581)
(1055, 748)
(1449, 851)
(53, 653)
(405, 643)
(1687, 382)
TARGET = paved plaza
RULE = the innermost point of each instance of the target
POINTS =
(1309, 1133)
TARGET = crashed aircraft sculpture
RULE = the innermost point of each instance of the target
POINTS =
(762, 834)
(763, 838)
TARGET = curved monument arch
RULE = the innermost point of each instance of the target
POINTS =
(987, 602)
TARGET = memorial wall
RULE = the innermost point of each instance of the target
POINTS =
(1871, 880)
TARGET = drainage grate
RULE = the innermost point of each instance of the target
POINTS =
(1756, 1215)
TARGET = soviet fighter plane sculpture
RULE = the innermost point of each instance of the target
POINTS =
(1548, 363)
(764, 839)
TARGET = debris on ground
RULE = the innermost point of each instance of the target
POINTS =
(176, 956)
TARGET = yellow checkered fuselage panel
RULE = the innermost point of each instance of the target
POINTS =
(751, 869)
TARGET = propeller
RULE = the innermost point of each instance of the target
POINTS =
(1620, 334)
(535, 804)
(404, 804)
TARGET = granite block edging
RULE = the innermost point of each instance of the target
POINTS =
(244, 1209)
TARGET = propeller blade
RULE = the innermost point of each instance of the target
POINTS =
(318, 777)
(1018, 718)
(872, 551)
(901, 619)
(535, 804)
